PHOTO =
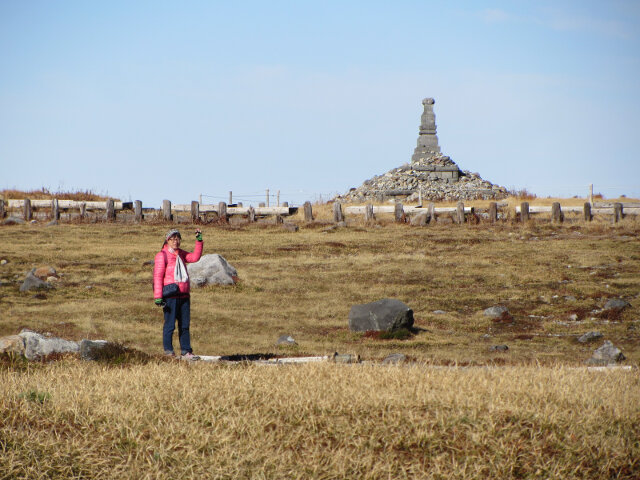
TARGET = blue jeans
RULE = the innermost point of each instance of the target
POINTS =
(177, 309)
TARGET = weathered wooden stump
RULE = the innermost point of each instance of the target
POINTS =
(252, 214)
(195, 211)
(2, 209)
(432, 212)
(111, 210)
(460, 213)
(493, 212)
(556, 213)
(27, 211)
(83, 210)
(398, 213)
(337, 212)
(368, 213)
(617, 212)
(524, 212)
(137, 211)
(222, 212)
(587, 212)
(308, 212)
(55, 209)
(166, 210)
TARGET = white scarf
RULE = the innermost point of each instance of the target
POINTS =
(180, 273)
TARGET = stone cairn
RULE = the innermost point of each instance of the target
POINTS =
(430, 175)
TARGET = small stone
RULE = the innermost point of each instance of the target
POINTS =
(4, 261)
(496, 312)
(438, 312)
(573, 317)
(286, 340)
(394, 359)
(570, 298)
(589, 337)
(345, 358)
(498, 348)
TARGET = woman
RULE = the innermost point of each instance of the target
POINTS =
(171, 290)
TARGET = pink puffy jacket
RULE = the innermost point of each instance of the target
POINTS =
(163, 274)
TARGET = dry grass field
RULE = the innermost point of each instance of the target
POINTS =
(530, 412)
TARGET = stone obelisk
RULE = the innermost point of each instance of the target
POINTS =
(427, 138)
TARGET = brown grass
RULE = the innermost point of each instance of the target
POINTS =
(46, 194)
(535, 416)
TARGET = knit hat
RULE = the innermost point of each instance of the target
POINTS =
(171, 233)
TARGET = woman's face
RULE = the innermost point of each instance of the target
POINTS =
(174, 241)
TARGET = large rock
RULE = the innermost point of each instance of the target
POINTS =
(31, 282)
(38, 346)
(12, 344)
(384, 315)
(212, 269)
(498, 311)
(589, 337)
(607, 354)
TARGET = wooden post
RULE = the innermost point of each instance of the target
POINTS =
(2, 210)
(252, 214)
(111, 210)
(591, 194)
(556, 213)
(587, 212)
(493, 212)
(230, 197)
(337, 212)
(419, 197)
(267, 202)
(55, 209)
(399, 213)
(368, 213)
(617, 212)
(308, 212)
(222, 212)
(279, 220)
(195, 211)
(166, 210)
(137, 211)
(432, 212)
(524, 212)
(83, 210)
(460, 213)
(26, 210)
(278, 197)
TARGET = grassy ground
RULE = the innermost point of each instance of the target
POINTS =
(537, 416)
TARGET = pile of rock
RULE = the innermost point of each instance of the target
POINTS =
(430, 175)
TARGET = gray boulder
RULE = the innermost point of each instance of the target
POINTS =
(616, 304)
(589, 337)
(394, 359)
(100, 350)
(211, 269)
(420, 220)
(607, 354)
(31, 282)
(384, 315)
(37, 345)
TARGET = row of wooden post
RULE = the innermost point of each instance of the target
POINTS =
(556, 212)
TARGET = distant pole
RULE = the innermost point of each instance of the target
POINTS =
(420, 197)
(230, 197)
(267, 202)
(200, 199)
(432, 212)
(278, 197)
(591, 194)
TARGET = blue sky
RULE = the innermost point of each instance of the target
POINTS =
(154, 100)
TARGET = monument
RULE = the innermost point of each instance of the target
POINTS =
(429, 175)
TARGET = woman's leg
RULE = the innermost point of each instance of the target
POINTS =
(184, 319)
(169, 326)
